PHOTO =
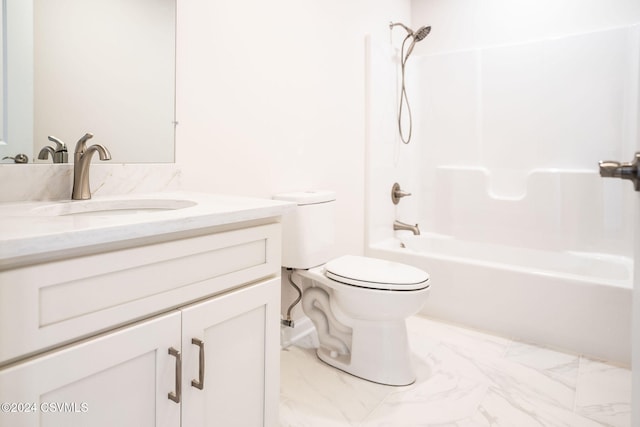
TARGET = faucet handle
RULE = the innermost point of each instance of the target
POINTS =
(397, 193)
(59, 154)
(81, 145)
(87, 136)
(18, 158)
(59, 143)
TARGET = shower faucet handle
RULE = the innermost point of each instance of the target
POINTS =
(630, 171)
(397, 193)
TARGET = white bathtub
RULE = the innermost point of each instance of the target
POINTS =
(576, 302)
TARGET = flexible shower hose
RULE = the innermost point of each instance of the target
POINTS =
(404, 100)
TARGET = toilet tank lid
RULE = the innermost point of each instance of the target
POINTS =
(307, 197)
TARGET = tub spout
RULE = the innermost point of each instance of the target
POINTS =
(398, 225)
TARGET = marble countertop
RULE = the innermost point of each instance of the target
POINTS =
(39, 231)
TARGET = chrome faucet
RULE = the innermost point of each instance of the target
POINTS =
(82, 160)
(59, 154)
(397, 225)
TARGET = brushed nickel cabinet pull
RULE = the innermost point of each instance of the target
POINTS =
(199, 383)
(178, 393)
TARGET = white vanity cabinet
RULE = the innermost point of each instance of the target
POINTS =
(124, 378)
(177, 329)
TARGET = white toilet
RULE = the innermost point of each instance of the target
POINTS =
(358, 305)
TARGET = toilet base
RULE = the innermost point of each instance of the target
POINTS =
(379, 353)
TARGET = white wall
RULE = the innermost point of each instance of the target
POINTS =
(465, 24)
(271, 98)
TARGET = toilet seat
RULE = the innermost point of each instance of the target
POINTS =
(373, 273)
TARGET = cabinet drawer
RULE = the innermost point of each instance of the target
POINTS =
(52, 303)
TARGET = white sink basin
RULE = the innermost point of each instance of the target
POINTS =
(111, 207)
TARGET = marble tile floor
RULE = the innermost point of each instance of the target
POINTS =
(465, 379)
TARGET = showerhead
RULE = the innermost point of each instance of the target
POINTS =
(417, 36)
(421, 33)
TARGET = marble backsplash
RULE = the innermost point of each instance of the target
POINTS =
(54, 182)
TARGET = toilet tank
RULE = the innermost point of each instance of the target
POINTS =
(308, 232)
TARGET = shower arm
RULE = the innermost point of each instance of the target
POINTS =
(394, 24)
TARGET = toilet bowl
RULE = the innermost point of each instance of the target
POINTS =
(357, 304)
(362, 329)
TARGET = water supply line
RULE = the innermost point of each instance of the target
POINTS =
(416, 36)
(289, 321)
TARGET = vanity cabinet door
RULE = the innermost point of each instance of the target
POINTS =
(122, 378)
(240, 336)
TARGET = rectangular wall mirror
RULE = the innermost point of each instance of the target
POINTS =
(100, 66)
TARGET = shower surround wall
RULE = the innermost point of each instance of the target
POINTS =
(507, 140)
(511, 137)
